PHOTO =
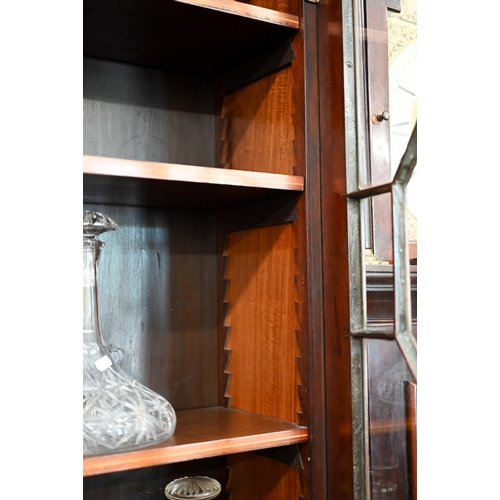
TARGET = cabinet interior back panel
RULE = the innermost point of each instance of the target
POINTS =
(150, 482)
(157, 300)
(141, 113)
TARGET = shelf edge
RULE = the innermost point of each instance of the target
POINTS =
(192, 451)
(247, 10)
(98, 165)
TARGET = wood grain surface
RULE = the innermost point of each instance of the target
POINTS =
(260, 129)
(253, 476)
(411, 420)
(119, 167)
(262, 317)
(378, 101)
(338, 395)
(262, 348)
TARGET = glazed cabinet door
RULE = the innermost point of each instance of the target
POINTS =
(371, 392)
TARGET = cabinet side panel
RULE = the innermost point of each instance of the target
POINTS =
(141, 113)
(260, 128)
(336, 319)
(262, 315)
(252, 476)
(157, 300)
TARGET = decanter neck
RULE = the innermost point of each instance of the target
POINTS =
(94, 224)
(91, 253)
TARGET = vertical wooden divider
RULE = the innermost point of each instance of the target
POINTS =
(263, 364)
(260, 286)
(263, 321)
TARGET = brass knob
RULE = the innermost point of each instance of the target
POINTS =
(384, 116)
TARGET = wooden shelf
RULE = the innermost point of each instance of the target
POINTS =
(142, 183)
(247, 10)
(204, 433)
(172, 34)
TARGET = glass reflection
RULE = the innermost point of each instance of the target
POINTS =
(403, 94)
(391, 411)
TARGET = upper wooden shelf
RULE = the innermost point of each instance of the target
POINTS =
(144, 183)
(203, 433)
(247, 10)
(195, 36)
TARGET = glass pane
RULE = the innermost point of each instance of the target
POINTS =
(392, 413)
(402, 52)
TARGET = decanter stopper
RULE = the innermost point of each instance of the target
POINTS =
(95, 223)
(193, 487)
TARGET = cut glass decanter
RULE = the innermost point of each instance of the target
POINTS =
(119, 413)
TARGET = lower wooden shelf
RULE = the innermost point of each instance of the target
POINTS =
(204, 433)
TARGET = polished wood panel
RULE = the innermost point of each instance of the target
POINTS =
(157, 301)
(260, 129)
(259, 477)
(308, 254)
(411, 421)
(338, 399)
(261, 320)
(378, 102)
(204, 433)
(262, 316)
(192, 38)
